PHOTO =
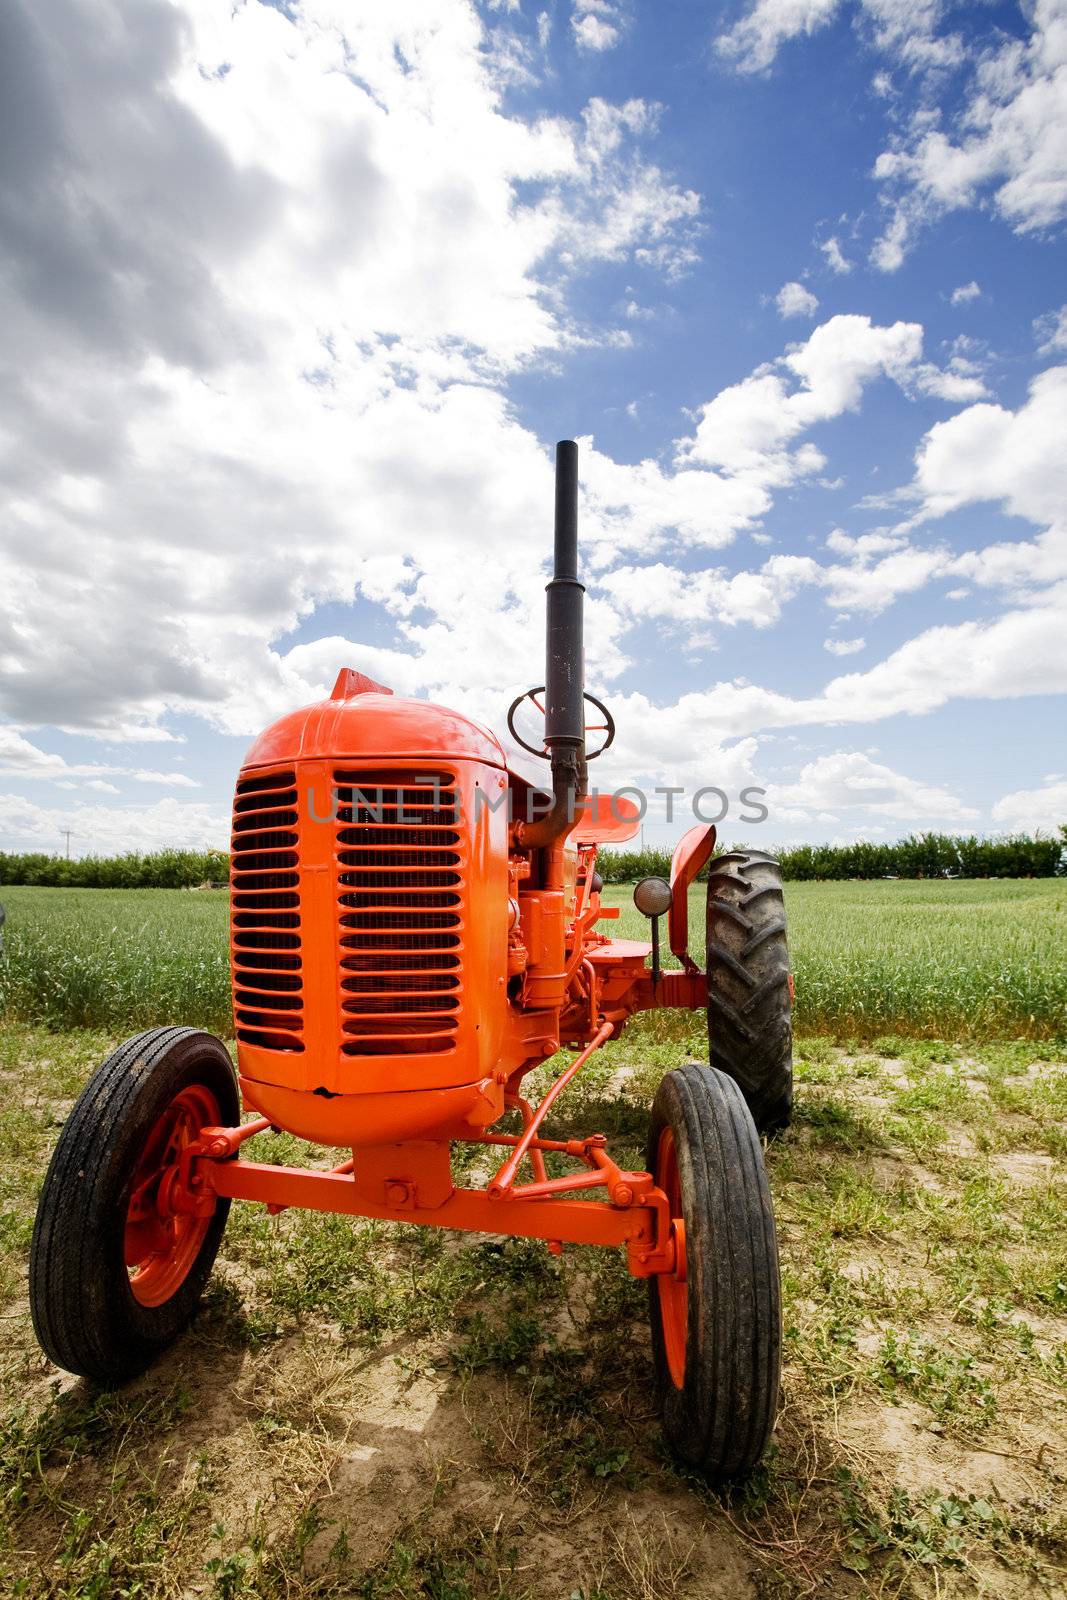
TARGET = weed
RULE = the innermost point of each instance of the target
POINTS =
(946, 1380)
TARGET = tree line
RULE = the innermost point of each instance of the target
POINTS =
(162, 869)
(924, 855)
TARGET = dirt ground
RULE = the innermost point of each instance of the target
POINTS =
(368, 1411)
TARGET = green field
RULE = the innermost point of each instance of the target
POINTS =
(369, 1411)
(965, 960)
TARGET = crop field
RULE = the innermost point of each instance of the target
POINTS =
(363, 1410)
(968, 960)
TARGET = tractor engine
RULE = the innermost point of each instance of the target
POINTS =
(370, 914)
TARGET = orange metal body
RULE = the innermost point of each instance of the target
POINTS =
(691, 853)
(400, 962)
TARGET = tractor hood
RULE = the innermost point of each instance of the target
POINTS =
(363, 718)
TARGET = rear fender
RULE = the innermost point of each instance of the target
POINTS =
(691, 854)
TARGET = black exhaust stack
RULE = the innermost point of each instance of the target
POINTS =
(564, 663)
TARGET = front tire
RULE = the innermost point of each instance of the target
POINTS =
(114, 1277)
(750, 988)
(716, 1324)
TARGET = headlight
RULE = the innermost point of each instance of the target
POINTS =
(652, 896)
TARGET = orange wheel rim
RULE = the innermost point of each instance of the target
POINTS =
(672, 1286)
(161, 1244)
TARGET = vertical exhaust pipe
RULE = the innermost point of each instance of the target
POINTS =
(565, 646)
(564, 662)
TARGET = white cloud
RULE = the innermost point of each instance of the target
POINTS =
(871, 588)
(988, 453)
(746, 442)
(966, 293)
(1023, 652)
(710, 596)
(1005, 145)
(956, 382)
(866, 545)
(307, 403)
(748, 428)
(1027, 810)
(595, 25)
(111, 830)
(1002, 142)
(850, 780)
(1051, 332)
(888, 252)
(21, 759)
(309, 407)
(844, 647)
(835, 258)
(718, 728)
(793, 300)
(753, 42)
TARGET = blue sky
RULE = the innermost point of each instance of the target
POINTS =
(301, 296)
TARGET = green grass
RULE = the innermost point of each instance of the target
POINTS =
(959, 960)
(394, 1413)
(116, 958)
(964, 960)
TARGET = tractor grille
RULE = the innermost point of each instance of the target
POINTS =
(268, 997)
(400, 877)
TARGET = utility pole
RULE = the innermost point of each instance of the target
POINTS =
(66, 832)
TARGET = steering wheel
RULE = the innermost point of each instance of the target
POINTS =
(607, 726)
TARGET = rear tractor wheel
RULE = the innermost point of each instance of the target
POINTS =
(115, 1273)
(750, 986)
(716, 1320)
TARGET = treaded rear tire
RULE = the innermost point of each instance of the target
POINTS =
(750, 999)
(719, 1420)
(85, 1315)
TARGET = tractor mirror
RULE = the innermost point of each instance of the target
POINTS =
(652, 896)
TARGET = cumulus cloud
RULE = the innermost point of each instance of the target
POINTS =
(989, 453)
(595, 24)
(965, 293)
(21, 759)
(793, 300)
(1050, 331)
(1022, 652)
(256, 363)
(719, 729)
(755, 39)
(710, 596)
(872, 586)
(1002, 143)
(851, 781)
(835, 257)
(1028, 810)
(749, 428)
(907, 28)
(1005, 145)
(844, 647)
(257, 366)
(111, 830)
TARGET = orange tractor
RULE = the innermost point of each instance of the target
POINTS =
(415, 925)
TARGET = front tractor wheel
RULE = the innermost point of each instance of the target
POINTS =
(716, 1320)
(750, 987)
(115, 1272)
